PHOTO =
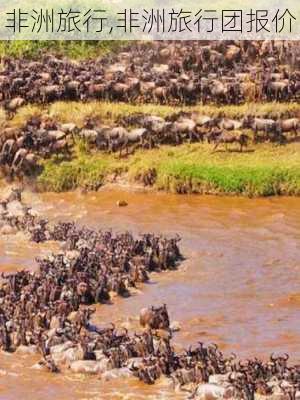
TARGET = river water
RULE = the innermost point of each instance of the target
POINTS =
(239, 285)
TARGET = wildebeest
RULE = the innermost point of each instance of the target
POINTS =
(155, 317)
(289, 125)
(267, 126)
(232, 137)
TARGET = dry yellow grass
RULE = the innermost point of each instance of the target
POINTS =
(78, 111)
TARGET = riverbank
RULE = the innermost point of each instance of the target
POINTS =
(262, 170)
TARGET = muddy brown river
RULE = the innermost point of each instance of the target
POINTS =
(238, 287)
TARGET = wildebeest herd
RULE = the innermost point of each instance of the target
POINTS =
(42, 136)
(223, 72)
(48, 311)
(226, 72)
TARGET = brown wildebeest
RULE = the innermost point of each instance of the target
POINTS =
(155, 317)
(289, 125)
(232, 137)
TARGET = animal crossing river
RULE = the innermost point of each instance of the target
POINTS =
(239, 285)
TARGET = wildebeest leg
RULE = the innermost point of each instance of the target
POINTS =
(216, 146)
(282, 139)
(134, 148)
(165, 97)
(120, 151)
(112, 146)
(151, 143)
(255, 136)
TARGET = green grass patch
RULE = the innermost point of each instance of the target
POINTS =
(84, 172)
(264, 171)
(73, 49)
(250, 181)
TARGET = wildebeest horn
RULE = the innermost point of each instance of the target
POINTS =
(133, 367)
